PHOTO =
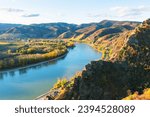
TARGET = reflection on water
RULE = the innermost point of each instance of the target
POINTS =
(12, 73)
(1, 76)
(32, 81)
(22, 71)
(25, 69)
(38, 66)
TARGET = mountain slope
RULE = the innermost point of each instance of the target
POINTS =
(4, 27)
(126, 69)
(64, 30)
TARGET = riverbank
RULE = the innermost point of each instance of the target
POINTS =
(31, 82)
(31, 52)
(35, 64)
(50, 95)
(43, 96)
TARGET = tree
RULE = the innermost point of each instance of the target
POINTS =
(1, 64)
(12, 62)
(9, 51)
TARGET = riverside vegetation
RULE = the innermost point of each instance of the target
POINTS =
(20, 53)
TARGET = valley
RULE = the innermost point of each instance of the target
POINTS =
(124, 69)
(121, 69)
(30, 81)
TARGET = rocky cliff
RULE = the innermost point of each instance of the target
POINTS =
(125, 68)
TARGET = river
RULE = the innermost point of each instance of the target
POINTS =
(29, 82)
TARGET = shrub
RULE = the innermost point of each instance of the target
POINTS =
(60, 83)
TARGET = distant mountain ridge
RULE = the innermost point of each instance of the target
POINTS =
(65, 30)
(5, 26)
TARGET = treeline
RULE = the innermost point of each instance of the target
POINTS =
(18, 54)
(28, 59)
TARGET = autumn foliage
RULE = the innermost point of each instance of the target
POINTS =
(137, 96)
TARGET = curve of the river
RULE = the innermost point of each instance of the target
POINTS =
(32, 81)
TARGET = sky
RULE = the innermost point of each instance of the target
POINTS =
(72, 11)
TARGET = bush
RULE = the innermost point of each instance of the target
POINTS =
(60, 83)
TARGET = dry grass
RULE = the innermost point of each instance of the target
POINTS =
(136, 96)
(3, 43)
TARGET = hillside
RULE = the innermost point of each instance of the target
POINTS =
(4, 27)
(64, 30)
(125, 68)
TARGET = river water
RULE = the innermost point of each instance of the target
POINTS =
(29, 82)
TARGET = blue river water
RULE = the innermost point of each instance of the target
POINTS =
(29, 82)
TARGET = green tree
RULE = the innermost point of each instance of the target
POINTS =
(9, 51)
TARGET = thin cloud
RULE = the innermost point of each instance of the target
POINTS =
(31, 15)
(94, 15)
(11, 10)
(100, 15)
(130, 12)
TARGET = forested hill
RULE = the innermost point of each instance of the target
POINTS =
(65, 30)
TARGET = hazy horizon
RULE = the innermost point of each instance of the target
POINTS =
(72, 11)
(68, 23)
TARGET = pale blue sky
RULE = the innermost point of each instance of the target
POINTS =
(72, 11)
